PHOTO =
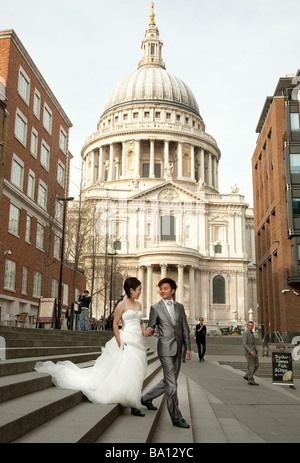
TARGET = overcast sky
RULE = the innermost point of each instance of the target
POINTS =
(230, 53)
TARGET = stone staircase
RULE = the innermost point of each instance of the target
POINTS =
(32, 410)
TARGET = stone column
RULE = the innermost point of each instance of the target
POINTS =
(137, 158)
(209, 180)
(111, 162)
(180, 290)
(140, 277)
(192, 291)
(100, 170)
(163, 271)
(151, 163)
(149, 288)
(93, 168)
(179, 161)
(192, 162)
(202, 164)
(123, 159)
(166, 156)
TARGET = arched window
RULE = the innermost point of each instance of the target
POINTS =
(218, 290)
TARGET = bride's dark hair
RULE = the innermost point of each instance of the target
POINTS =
(131, 283)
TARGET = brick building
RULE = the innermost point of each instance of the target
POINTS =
(276, 187)
(35, 174)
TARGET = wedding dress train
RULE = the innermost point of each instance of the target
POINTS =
(117, 375)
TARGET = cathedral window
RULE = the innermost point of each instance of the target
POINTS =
(157, 170)
(168, 228)
(218, 289)
(145, 173)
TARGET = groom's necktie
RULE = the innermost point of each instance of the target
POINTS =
(171, 310)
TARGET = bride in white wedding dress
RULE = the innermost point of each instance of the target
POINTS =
(118, 374)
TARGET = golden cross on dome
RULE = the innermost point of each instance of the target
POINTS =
(152, 15)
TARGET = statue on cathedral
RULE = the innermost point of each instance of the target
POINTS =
(235, 189)
(169, 170)
(200, 184)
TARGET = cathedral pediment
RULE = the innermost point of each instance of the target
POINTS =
(168, 191)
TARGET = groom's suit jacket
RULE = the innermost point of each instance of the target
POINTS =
(171, 336)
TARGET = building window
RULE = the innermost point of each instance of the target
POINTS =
(24, 280)
(17, 172)
(56, 252)
(168, 228)
(65, 294)
(28, 229)
(37, 284)
(146, 114)
(294, 118)
(40, 236)
(218, 289)
(34, 143)
(168, 115)
(157, 170)
(54, 288)
(218, 249)
(21, 127)
(296, 206)
(47, 118)
(298, 253)
(59, 211)
(295, 163)
(24, 86)
(145, 172)
(45, 155)
(61, 174)
(31, 184)
(63, 140)
(37, 104)
(42, 196)
(14, 220)
(10, 275)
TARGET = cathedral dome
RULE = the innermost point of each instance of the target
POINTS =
(152, 84)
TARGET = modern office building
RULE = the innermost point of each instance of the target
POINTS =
(150, 174)
(34, 174)
(276, 187)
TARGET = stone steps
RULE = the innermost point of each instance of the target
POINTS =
(32, 410)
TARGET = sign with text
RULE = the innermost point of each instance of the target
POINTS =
(46, 310)
(282, 367)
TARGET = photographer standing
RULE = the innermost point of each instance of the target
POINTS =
(84, 299)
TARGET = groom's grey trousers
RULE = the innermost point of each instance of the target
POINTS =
(168, 385)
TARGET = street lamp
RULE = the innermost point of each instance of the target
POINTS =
(57, 324)
(116, 246)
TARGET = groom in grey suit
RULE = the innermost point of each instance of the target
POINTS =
(169, 317)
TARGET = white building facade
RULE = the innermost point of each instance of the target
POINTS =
(152, 171)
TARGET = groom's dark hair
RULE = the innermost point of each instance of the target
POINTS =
(168, 280)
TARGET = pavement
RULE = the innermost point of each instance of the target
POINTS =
(268, 413)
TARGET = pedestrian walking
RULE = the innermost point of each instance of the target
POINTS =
(200, 334)
(251, 354)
